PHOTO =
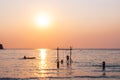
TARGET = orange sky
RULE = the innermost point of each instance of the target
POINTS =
(77, 23)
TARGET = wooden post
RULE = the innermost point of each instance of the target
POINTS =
(70, 55)
(57, 57)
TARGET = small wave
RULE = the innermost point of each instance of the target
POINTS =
(67, 77)
(106, 70)
(107, 65)
(54, 72)
(52, 69)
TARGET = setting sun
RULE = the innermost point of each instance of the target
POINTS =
(43, 20)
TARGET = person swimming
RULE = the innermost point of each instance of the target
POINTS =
(25, 57)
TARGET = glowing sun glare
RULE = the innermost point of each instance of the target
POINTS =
(43, 20)
(43, 53)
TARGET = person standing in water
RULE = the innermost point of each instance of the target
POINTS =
(103, 65)
(61, 61)
(68, 60)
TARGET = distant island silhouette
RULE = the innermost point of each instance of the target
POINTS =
(1, 46)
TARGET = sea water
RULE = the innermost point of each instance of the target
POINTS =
(86, 64)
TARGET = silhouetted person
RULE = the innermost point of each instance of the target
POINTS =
(103, 65)
(24, 57)
(67, 57)
(68, 60)
(62, 61)
(57, 63)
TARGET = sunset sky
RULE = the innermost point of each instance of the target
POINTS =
(63, 23)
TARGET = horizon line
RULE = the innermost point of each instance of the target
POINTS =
(63, 48)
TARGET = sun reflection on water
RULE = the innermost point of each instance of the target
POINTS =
(42, 58)
(43, 54)
(42, 64)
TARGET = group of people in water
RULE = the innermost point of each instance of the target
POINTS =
(68, 60)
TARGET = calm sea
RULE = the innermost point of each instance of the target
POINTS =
(86, 64)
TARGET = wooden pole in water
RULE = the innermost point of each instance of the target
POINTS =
(58, 58)
(70, 55)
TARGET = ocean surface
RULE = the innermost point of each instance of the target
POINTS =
(86, 64)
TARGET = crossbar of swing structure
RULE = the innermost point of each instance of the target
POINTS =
(63, 49)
